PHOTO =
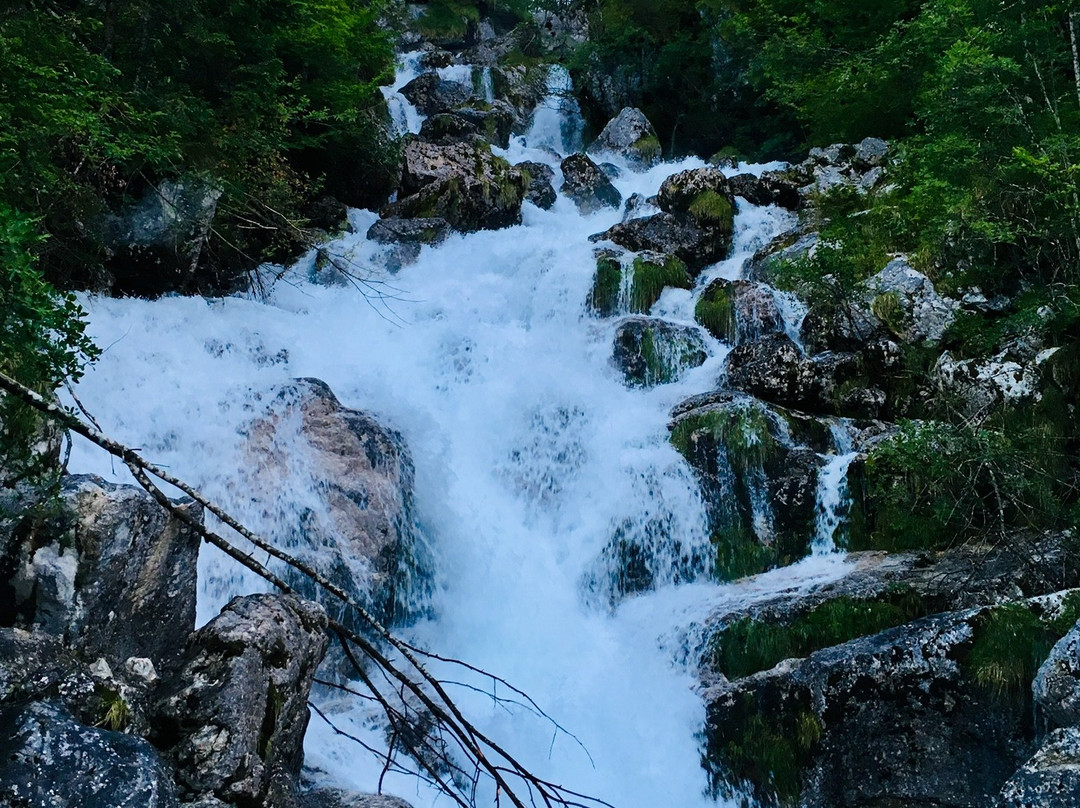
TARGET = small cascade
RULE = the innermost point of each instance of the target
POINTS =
(404, 117)
(484, 83)
(832, 493)
(557, 122)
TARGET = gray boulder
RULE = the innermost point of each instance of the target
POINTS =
(233, 719)
(771, 188)
(462, 183)
(360, 531)
(738, 311)
(49, 760)
(541, 190)
(1051, 778)
(154, 246)
(675, 234)
(919, 314)
(1056, 688)
(112, 572)
(983, 386)
(336, 798)
(491, 123)
(586, 184)
(650, 351)
(431, 94)
(409, 231)
(629, 135)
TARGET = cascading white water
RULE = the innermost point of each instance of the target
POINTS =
(557, 122)
(403, 115)
(530, 454)
(832, 490)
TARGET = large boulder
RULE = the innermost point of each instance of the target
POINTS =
(357, 525)
(650, 351)
(625, 286)
(154, 245)
(771, 188)
(738, 311)
(1056, 689)
(586, 184)
(110, 571)
(541, 189)
(1050, 779)
(982, 386)
(49, 760)
(232, 721)
(336, 798)
(906, 300)
(629, 135)
(491, 123)
(462, 183)
(431, 94)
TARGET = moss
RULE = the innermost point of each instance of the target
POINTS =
(750, 645)
(648, 147)
(603, 299)
(743, 431)
(739, 553)
(1011, 643)
(767, 753)
(651, 276)
(715, 310)
(657, 371)
(447, 20)
(713, 209)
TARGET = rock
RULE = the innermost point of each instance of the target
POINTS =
(1057, 685)
(634, 288)
(540, 191)
(651, 351)
(629, 135)
(1051, 778)
(887, 719)
(905, 299)
(675, 234)
(587, 185)
(771, 188)
(696, 189)
(787, 248)
(981, 387)
(112, 572)
(522, 88)
(870, 153)
(33, 665)
(360, 530)
(738, 311)
(464, 184)
(409, 231)
(638, 206)
(233, 719)
(757, 467)
(491, 123)
(431, 94)
(154, 246)
(48, 760)
(335, 798)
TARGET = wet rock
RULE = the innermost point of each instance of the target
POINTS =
(540, 191)
(650, 351)
(738, 311)
(982, 386)
(523, 88)
(888, 719)
(587, 185)
(110, 570)
(771, 188)
(629, 135)
(359, 529)
(697, 191)
(1051, 778)
(154, 246)
(638, 206)
(232, 721)
(409, 231)
(1056, 688)
(625, 286)
(675, 234)
(463, 183)
(431, 94)
(335, 798)
(48, 760)
(491, 123)
(787, 248)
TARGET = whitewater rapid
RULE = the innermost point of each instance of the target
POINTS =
(529, 451)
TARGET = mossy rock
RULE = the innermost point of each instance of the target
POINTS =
(651, 351)
(634, 289)
(715, 310)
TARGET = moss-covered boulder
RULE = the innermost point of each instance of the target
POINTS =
(631, 136)
(488, 122)
(650, 351)
(625, 285)
(462, 183)
(737, 311)
(758, 469)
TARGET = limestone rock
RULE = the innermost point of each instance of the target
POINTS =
(48, 760)
(587, 185)
(1057, 685)
(738, 311)
(541, 191)
(630, 135)
(491, 123)
(1051, 779)
(650, 351)
(335, 798)
(359, 530)
(113, 573)
(409, 231)
(431, 94)
(233, 719)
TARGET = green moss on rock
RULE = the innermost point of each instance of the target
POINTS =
(713, 209)
(715, 310)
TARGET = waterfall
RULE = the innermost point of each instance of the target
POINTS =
(404, 117)
(536, 467)
(832, 491)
